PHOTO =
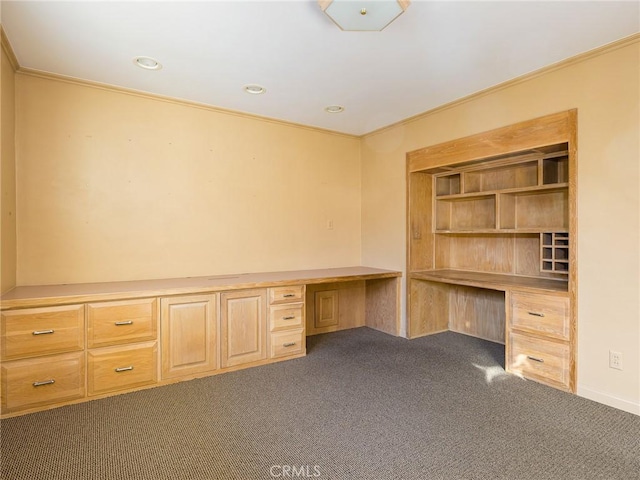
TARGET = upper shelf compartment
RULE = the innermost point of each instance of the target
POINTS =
(525, 193)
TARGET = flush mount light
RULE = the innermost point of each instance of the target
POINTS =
(334, 109)
(255, 89)
(147, 63)
(372, 15)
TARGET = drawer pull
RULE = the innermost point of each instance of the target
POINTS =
(124, 322)
(289, 295)
(290, 317)
(43, 332)
(124, 369)
(536, 314)
(45, 382)
(535, 359)
(289, 344)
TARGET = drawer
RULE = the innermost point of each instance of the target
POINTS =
(287, 343)
(286, 294)
(121, 368)
(42, 331)
(285, 317)
(112, 323)
(541, 313)
(42, 381)
(543, 360)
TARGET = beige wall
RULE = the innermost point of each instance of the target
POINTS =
(7, 175)
(117, 186)
(605, 90)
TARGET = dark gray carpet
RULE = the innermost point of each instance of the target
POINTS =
(361, 405)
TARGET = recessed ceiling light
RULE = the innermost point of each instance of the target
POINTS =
(147, 63)
(254, 89)
(334, 109)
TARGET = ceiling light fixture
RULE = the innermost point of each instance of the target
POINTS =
(254, 89)
(334, 109)
(147, 63)
(372, 15)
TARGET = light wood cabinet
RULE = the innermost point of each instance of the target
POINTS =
(42, 381)
(189, 335)
(118, 368)
(35, 372)
(116, 323)
(42, 331)
(122, 350)
(63, 344)
(243, 327)
(286, 322)
(491, 235)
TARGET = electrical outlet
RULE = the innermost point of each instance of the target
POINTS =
(615, 360)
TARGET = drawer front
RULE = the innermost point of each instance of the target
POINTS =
(42, 381)
(541, 313)
(42, 331)
(287, 343)
(538, 359)
(112, 323)
(286, 317)
(113, 369)
(291, 294)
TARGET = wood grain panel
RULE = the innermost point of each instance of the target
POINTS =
(42, 331)
(419, 221)
(189, 335)
(484, 253)
(112, 369)
(382, 305)
(539, 359)
(243, 327)
(429, 303)
(42, 381)
(111, 323)
(521, 136)
(478, 312)
(351, 306)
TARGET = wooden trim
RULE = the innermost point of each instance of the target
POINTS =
(6, 46)
(547, 130)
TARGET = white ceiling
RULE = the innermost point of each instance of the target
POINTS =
(436, 52)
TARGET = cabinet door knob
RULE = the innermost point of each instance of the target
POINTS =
(124, 322)
(289, 344)
(290, 317)
(536, 314)
(124, 369)
(45, 382)
(43, 332)
(289, 295)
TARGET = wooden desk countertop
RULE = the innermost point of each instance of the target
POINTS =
(41, 295)
(493, 281)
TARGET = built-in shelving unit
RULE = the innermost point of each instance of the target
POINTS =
(491, 233)
(522, 194)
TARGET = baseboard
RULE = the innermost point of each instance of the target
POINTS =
(610, 400)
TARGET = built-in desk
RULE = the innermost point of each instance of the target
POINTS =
(64, 344)
(530, 315)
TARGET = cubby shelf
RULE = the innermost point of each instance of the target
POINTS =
(554, 252)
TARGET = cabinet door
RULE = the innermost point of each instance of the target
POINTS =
(243, 325)
(188, 335)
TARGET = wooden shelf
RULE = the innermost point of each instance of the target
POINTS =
(494, 281)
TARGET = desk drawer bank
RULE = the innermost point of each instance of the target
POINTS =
(63, 344)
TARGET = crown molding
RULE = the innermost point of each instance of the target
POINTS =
(6, 46)
(610, 47)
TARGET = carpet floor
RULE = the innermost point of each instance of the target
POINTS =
(360, 405)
